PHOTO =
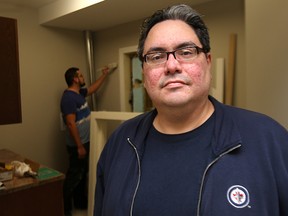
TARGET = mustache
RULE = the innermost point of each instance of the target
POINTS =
(174, 78)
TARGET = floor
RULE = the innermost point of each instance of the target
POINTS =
(80, 213)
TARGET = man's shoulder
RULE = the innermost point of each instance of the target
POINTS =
(83, 92)
(255, 120)
(71, 95)
(140, 122)
(67, 96)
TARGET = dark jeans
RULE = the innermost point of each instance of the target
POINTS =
(75, 183)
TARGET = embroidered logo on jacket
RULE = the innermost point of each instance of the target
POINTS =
(238, 196)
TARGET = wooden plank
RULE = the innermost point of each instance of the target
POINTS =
(217, 91)
(230, 75)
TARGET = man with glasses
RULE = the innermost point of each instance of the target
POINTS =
(76, 116)
(191, 155)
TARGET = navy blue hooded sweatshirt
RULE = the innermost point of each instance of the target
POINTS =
(248, 174)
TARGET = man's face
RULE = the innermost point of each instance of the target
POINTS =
(175, 83)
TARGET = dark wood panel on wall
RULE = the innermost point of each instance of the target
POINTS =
(10, 105)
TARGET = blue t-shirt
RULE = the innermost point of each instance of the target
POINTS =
(171, 172)
(72, 102)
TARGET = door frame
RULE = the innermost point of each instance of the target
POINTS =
(125, 71)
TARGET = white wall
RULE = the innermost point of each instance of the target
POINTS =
(44, 55)
(266, 57)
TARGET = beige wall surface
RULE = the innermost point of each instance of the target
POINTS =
(44, 55)
(223, 18)
(107, 44)
(266, 57)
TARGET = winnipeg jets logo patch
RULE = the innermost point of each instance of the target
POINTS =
(238, 196)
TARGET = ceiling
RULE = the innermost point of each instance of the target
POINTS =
(99, 16)
(28, 3)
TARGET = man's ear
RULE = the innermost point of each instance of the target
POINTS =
(209, 58)
(143, 79)
(76, 79)
(144, 83)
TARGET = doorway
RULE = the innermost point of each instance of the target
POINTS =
(133, 96)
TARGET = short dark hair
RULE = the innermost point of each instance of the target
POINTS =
(177, 12)
(70, 74)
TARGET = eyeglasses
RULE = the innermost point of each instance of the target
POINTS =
(184, 54)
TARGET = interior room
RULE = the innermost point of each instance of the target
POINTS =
(52, 36)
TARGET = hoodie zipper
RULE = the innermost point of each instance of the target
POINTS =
(139, 176)
(205, 172)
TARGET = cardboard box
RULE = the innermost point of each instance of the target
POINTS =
(5, 175)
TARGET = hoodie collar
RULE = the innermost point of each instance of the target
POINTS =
(226, 134)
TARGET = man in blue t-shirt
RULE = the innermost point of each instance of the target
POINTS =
(76, 116)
